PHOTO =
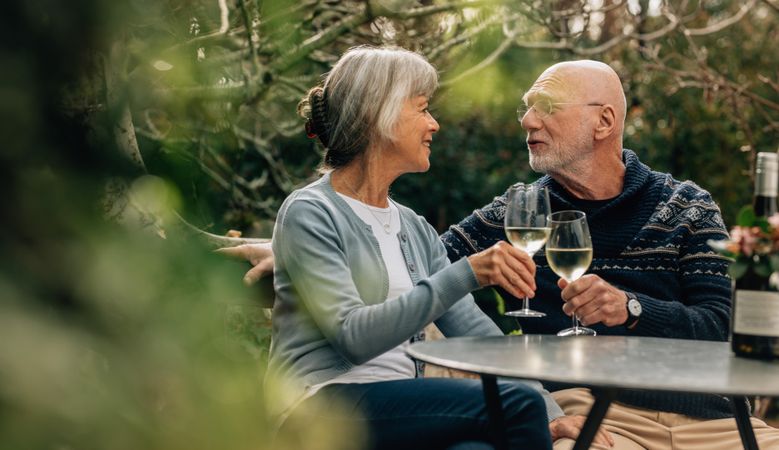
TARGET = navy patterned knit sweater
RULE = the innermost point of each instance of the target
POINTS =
(650, 240)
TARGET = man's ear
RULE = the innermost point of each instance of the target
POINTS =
(607, 123)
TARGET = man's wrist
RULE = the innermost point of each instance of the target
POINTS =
(634, 309)
(554, 430)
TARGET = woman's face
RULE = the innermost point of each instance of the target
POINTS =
(413, 135)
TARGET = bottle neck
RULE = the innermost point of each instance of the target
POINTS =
(766, 184)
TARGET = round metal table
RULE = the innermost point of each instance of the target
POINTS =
(607, 364)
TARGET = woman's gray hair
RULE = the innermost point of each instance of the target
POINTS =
(361, 99)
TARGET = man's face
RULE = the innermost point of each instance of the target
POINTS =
(561, 135)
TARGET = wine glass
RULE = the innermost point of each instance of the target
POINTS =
(569, 253)
(527, 209)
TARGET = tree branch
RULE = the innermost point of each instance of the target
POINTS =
(771, 4)
(722, 24)
(484, 63)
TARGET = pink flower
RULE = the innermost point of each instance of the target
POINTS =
(774, 221)
(745, 238)
(747, 241)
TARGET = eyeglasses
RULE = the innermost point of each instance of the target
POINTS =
(545, 108)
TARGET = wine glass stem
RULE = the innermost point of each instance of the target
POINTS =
(525, 304)
(575, 322)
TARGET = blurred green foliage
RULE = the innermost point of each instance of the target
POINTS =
(113, 337)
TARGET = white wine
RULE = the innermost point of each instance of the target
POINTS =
(528, 239)
(569, 263)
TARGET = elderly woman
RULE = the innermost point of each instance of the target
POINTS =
(358, 275)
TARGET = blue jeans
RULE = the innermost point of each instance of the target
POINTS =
(440, 413)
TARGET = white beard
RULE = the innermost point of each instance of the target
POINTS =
(564, 155)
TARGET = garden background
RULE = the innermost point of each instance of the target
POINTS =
(122, 120)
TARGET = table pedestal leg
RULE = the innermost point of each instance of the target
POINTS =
(603, 398)
(494, 412)
(741, 410)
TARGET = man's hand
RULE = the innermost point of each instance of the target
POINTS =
(259, 255)
(593, 300)
(571, 426)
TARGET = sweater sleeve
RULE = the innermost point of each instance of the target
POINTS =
(480, 230)
(703, 308)
(309, 249)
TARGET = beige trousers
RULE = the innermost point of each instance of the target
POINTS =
(635, 428)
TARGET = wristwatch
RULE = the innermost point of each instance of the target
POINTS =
(634, 309)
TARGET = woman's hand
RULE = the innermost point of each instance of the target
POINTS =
(259, 255)
(507, 267)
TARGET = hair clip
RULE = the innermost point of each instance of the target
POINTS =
(310, 129)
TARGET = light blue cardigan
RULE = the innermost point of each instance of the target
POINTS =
(331, 283)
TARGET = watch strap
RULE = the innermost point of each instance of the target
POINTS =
(632, 318)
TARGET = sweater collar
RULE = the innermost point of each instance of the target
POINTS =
(636, 177)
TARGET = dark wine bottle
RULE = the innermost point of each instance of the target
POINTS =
(755, 319)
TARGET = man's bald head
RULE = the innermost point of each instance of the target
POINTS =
(576, 120)
(584, 81)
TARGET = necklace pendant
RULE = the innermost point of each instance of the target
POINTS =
(386, 228)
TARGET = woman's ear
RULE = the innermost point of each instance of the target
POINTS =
(607, 123)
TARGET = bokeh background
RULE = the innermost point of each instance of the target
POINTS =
(122, 119)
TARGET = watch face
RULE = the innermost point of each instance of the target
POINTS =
(634, 306)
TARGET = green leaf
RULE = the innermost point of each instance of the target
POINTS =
(500, 304)
(737, 269)
(774, 260)
(746, 217)
(762, 222)
(763, 268)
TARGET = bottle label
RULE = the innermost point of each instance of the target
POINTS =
(756, 313)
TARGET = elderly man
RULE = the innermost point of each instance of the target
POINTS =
(652, 272)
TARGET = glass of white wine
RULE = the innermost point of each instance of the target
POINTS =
(569, 253)
(527, 210)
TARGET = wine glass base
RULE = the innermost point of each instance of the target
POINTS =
(581, 331)
(525, 313)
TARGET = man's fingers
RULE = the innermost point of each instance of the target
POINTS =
(234, 252)
(589, 319)
(255, 273)
(233, 233)
(603, 437)
(574, 305)
(608, 436)
(265, 266)
(578, 287)
(589, 308)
